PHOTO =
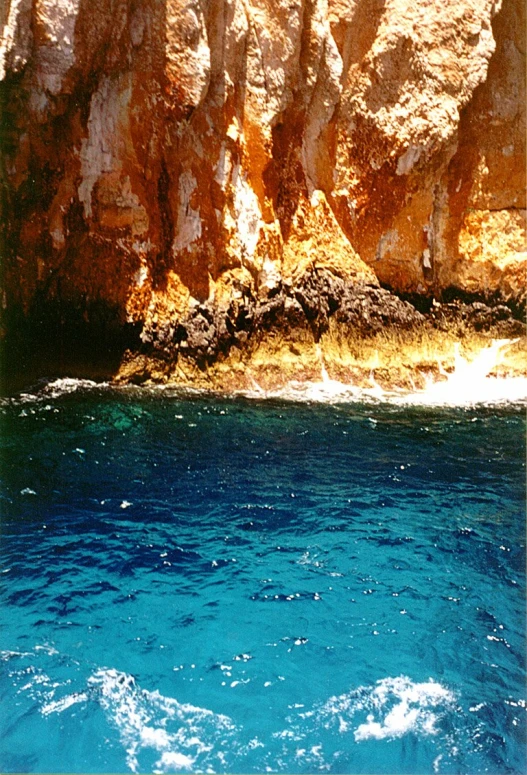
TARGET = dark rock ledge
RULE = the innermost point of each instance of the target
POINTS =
(60, 339)
(209, 332)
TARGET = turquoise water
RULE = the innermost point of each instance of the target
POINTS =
(214, 585)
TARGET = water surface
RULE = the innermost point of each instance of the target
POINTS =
(206, 584)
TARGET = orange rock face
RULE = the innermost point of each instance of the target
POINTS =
(163, 155)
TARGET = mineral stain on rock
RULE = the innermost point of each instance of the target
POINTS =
(206, 191)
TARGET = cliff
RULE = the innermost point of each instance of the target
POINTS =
(184, 179)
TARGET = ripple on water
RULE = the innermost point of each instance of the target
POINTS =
(289, 588)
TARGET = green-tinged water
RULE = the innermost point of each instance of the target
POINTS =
(218, 585)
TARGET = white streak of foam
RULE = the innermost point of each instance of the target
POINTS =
(59, 387)
(58, 706)
(179, 733)
(6, 655)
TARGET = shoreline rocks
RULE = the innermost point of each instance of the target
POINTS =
(349, 329)
(183, 180)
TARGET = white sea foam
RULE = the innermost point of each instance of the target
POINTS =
(347, 725)
(7, 655)
(413, 707)
(58, 706)
(184, 736)
(56, 389)
(158, 733)
(468, 384)
(161, 735)
(392, 708)
(174, 760)
(60, 387)
(471, 383)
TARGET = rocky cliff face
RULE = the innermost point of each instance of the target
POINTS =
(192, 172)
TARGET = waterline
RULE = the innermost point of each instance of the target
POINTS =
(470, 383)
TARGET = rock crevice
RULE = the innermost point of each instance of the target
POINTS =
(160, 156)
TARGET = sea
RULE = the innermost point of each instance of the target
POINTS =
(316, 580)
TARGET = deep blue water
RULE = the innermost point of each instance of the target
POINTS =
(221, 585)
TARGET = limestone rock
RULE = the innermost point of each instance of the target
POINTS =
(166, 160)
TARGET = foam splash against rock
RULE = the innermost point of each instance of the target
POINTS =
(468, 384)
(471, 381)
(57, 388)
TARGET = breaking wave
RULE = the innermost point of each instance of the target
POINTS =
(392, 709)
(157, 732)
(394, 706)
(181, 735)
(470, 383)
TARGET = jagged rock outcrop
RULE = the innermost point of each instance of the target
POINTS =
(180, 168)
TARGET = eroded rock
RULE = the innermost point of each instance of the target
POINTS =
(206, 169)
